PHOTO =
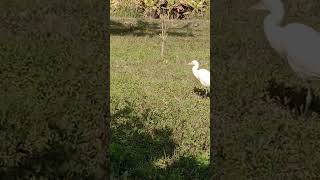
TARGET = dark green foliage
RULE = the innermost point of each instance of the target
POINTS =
(153, 8)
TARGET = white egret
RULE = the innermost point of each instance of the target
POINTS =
(298, 43)
(202, 75)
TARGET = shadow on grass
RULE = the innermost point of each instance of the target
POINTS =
(54, 162)
(292, 97)
(184, 168)
(136, 149)
(201, 92)
(144, 28)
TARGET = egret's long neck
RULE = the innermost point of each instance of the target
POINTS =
(273, 29)
(275, 17)
(195, 70)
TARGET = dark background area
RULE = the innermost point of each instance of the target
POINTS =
(257, 129)
(53, 89)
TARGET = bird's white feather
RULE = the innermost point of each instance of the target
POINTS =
(298, 43)
(202, 75)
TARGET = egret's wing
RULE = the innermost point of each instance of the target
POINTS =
(204, 77)
(204, 71)
(302, 44)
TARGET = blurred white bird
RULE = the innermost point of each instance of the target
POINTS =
(298, 43)
(202, 75)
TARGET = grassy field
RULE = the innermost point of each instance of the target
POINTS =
(262, 134)
(160, 122)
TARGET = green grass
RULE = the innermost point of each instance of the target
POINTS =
(263, 138)
(160, 126)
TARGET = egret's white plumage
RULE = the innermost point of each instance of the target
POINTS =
(298, 43)
(202, 75)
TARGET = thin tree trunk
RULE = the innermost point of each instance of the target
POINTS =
(162, 48)
(162, 35)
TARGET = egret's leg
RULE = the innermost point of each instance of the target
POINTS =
(308, 98)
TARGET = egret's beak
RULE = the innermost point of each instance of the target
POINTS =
(258, 6)
(190, 63)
